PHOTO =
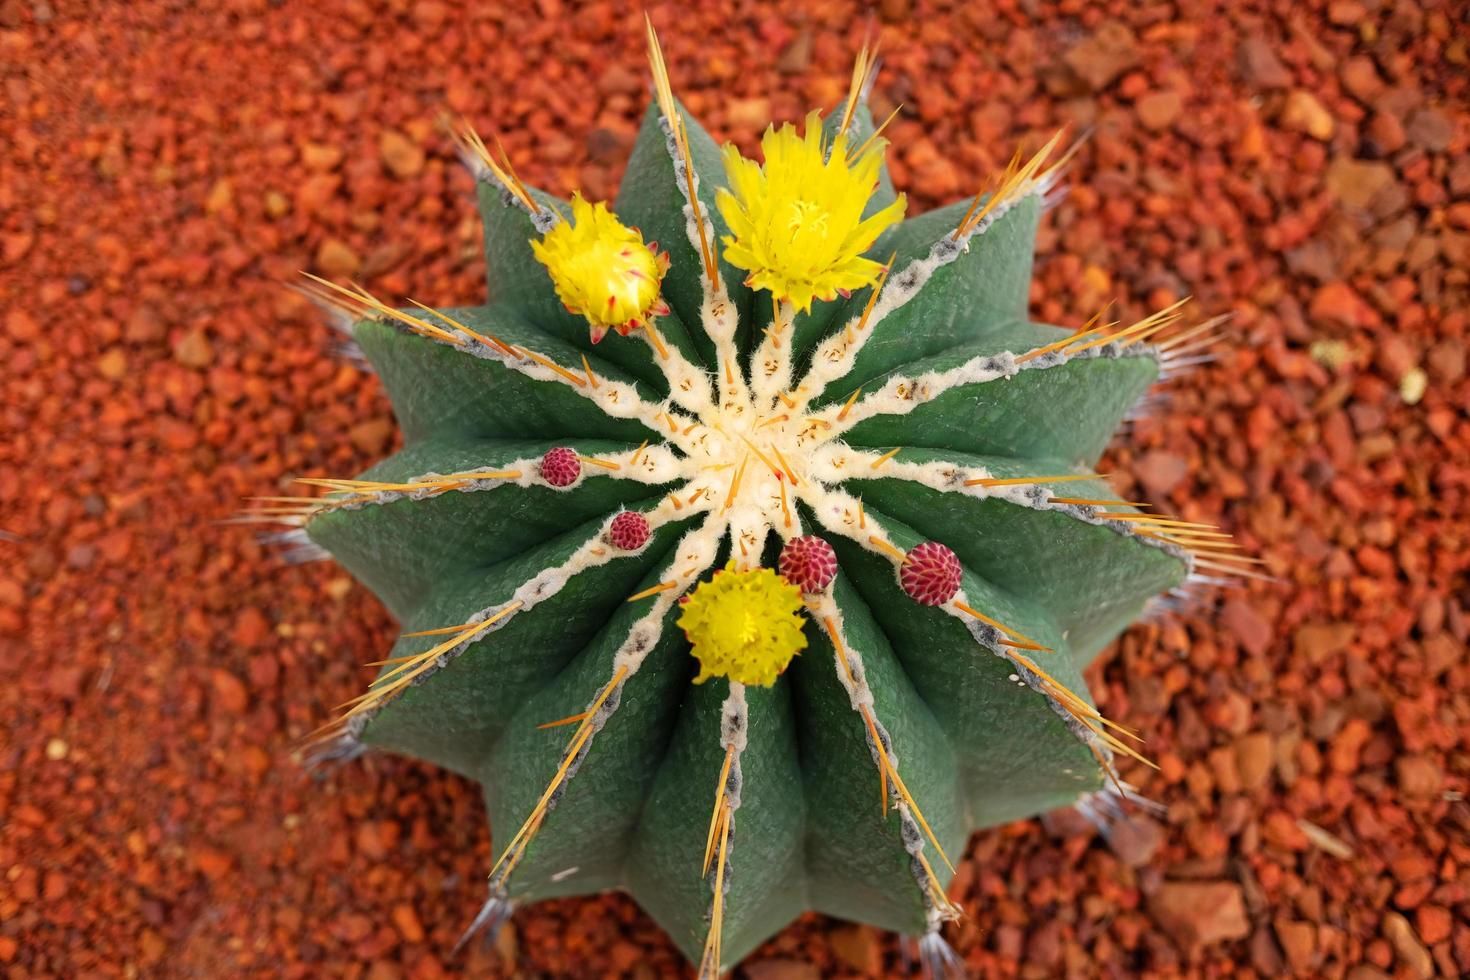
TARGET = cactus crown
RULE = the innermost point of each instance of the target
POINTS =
(853, 418)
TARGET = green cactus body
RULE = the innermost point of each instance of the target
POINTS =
(727, 809)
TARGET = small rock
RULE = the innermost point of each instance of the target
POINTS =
(113, 364)
(508, 947)
(375, 839)
(429, 15)
(144, 326)
(81, 556)
(1386, 133)
(1299, 943)
(1336, 302)
(1413, 385)
(1305, 114)
(616, 79)
(211, 863)
(229, 691)
(1259, 65)
(194, 350)
(1418, 775)
(321, 157)
(1254, 755)
(1066, 822)
(857, 947)
(353, 927)
(1433, 923)
(752, 114)
(1411, 952)
(337, 259)
(1248, 625)
(1044, 947)
(895, 11)
(402, 156)
(1315, 260)
(1431, 130)
(606, 146)
(798, 54)
(1324, 841)
(277, 205)
(1160, 472)
(251, 628)
(1008, 941)
(1265, 956)
(313, 193)
(220, 197)
(1135, 839)
(1357, 182)
(1360, 77)
(1315, 642)
(406, 921)
(1345, 750)
(1101, 58)
(384, 258)
(21, 326)
(781, 970)
(1197, 913)
(1447, 360)
(15, 246)
(371, 437)
(1158, 110)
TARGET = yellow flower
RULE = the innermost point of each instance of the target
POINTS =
(744, 625)
(797, 221)
(602, 270)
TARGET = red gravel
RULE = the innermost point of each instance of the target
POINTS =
(166, 166)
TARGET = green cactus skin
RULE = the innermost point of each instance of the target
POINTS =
(977, 736)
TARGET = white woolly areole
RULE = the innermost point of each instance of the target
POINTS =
(838, 462)
(734, 719)
(901, 394)
(734, 734)
(718, 315)
(689, 386)
(824, 607)
(655, 465)
(770, 367)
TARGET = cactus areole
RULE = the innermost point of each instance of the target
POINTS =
(747, 542)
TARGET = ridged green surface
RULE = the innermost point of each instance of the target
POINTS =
(974, 747)
(651, 201)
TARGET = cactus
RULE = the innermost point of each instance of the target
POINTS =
(705, 547)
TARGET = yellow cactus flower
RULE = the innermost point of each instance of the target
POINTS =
(602, 270)
(744, 625)
(797, 221)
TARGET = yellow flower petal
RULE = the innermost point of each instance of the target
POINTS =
(744, 625)
(601, 269)
(796, 221)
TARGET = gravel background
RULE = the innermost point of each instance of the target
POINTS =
(165, 166)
